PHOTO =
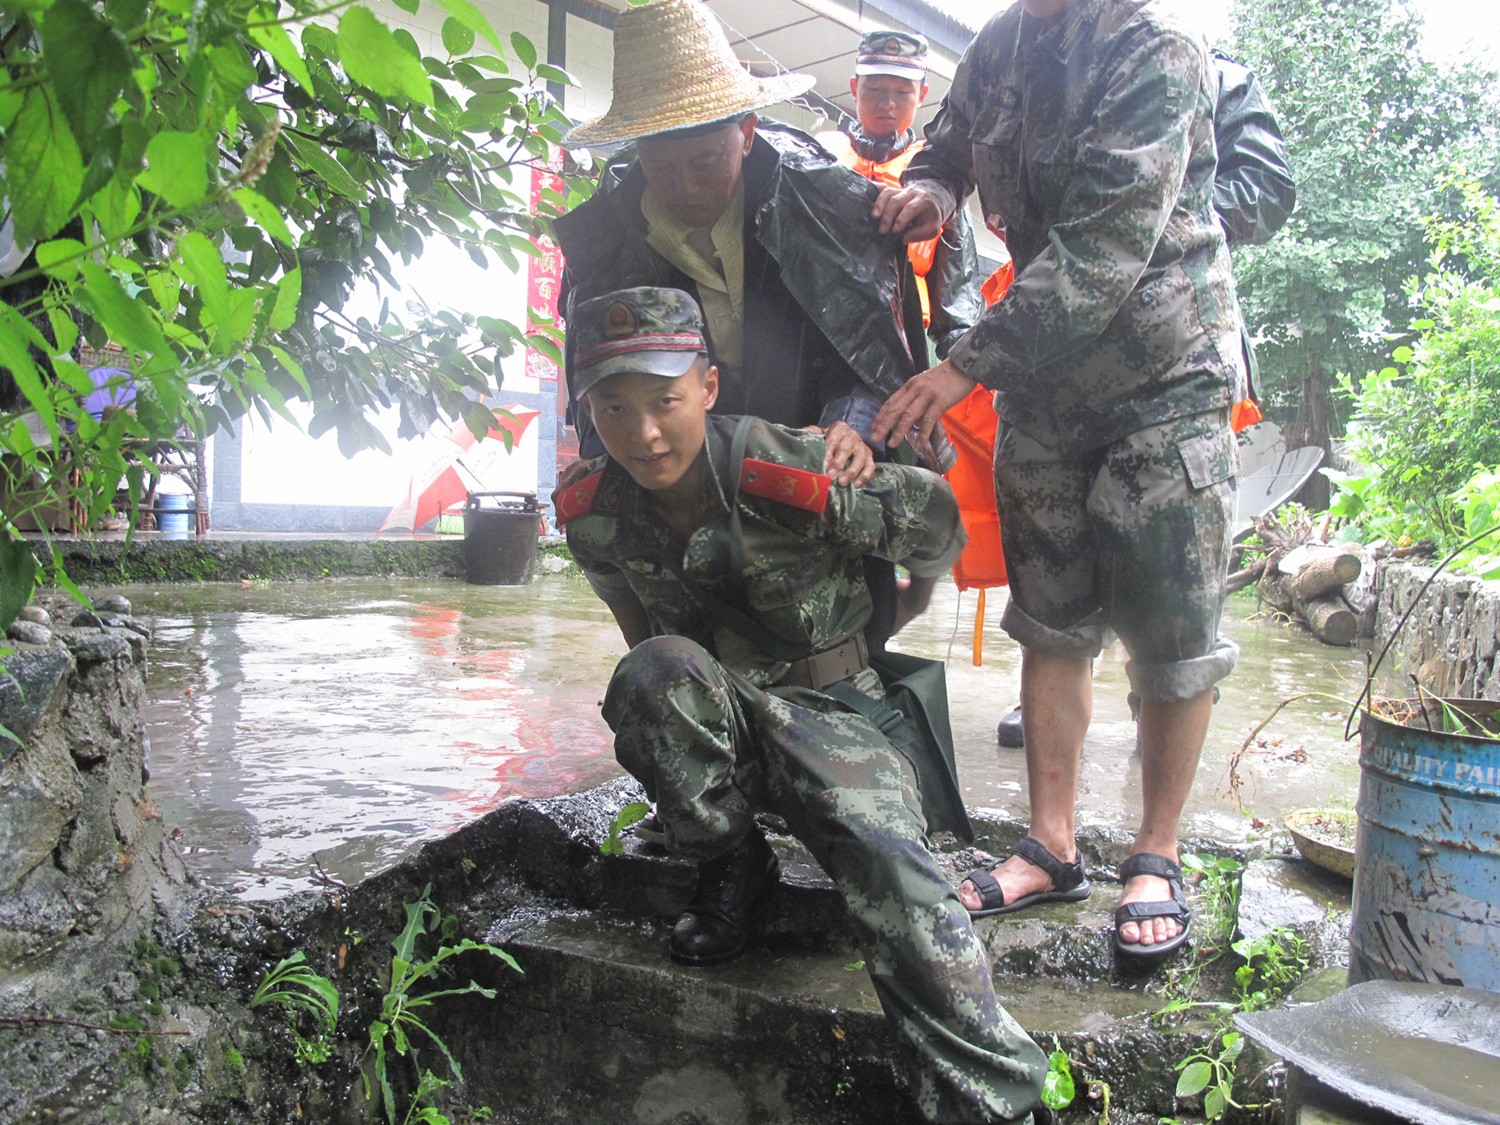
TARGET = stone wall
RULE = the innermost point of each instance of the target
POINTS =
(1451, 639)
(113, 562)
(84, 862)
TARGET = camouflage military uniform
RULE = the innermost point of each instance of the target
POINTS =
(699, 722)
(1116, 354)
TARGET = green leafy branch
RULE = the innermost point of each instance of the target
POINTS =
(203, 186)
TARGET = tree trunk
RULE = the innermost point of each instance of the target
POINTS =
(1242, 578)
(1331, 621)
(1273, 590)
(1311, 427)
(1323, 574)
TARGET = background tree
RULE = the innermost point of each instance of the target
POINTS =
(204, 184)
(1424, 438)
(1371, 127)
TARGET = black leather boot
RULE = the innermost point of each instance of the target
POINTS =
(716, 923)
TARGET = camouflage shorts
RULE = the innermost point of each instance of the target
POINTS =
(1132, 537)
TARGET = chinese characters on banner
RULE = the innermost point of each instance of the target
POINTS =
(544, 273)
(543, 277)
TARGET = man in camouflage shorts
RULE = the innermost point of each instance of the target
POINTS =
(723, 550)
(1087, 127)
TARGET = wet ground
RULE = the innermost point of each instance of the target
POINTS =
(339, 724)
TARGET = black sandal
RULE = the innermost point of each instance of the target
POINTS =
(1145, 863)
(1069, 881)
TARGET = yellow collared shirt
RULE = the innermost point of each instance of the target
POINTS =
(714, 257)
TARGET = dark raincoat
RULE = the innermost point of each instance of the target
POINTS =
(825, 292)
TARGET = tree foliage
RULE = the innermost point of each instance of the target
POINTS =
(205, 184)
(1425, 433)
(1371, 124)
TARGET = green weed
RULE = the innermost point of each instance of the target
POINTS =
(633, 813)
(293, 985)
(397, 1030)
(1270, 966)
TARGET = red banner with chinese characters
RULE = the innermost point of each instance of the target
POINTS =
(543, 273)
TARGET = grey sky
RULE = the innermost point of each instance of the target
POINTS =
(1453, 26)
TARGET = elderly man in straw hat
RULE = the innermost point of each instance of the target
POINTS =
(802, 296)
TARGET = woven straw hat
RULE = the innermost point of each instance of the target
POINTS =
(674, 69)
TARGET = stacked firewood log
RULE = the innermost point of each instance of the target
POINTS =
(1329, 587)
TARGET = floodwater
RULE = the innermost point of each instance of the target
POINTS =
(337, 725)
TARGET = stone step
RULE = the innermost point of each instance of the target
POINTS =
(601, 1027)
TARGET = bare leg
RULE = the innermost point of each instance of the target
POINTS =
(1057, 699)
(1171, 741)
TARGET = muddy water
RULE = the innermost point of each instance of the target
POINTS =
(340, 724)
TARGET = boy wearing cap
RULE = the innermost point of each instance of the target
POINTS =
(704, 533)
(889, 86)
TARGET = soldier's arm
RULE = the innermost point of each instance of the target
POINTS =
(905, 514)
(631, 617)
(944, 168)
(953, 284)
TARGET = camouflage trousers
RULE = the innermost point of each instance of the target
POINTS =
(1132, 537)
(711, 750)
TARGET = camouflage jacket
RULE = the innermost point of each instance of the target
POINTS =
(787, 550)
(1093, 141)
(948, 265)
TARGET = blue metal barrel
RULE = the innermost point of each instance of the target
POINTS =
(1427, 875)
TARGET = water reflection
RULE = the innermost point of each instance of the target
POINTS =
(343, 723)
(349, 721)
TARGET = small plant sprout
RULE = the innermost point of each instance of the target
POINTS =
(1213, 1077)
(633, 813)
(1058, 1089)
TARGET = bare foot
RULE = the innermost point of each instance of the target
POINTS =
(1017, 877)
(1148, 888)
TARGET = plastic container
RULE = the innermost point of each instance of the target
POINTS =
(174, 514)
(500, 538)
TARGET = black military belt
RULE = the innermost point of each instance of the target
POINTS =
(830, 666)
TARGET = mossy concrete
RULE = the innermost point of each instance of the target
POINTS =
(115, 561)
(110, 562)
(601, 1027)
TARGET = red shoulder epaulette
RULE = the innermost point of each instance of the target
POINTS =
(577, 498)
(800, 488)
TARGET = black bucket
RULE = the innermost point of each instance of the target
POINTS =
(500, 538)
